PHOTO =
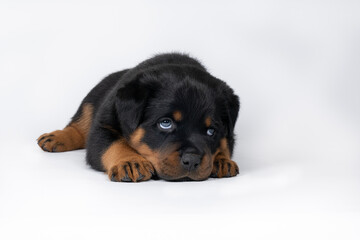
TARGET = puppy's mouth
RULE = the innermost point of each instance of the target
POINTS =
(183, 179)
(187, 179)
(186, 176)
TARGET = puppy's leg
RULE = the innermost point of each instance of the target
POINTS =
(108, 151)
(223, 166)
(72, 137)
(123, 163)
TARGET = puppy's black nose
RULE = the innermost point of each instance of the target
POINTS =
(190, 161)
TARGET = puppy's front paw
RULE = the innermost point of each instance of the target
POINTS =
(224, 167)
(51, 142)
(135, 170)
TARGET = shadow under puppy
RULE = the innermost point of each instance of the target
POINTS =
(166, 118)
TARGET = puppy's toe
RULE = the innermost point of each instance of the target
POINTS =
(224, 168)
(131, 171)
(56, 141)
(48, 142)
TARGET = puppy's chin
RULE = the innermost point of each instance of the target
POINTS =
(183, 177)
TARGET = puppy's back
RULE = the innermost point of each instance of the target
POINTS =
(170, 58)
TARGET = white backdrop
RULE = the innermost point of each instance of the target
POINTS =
(294, 64)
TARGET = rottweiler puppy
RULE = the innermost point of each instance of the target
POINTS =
(165, 118)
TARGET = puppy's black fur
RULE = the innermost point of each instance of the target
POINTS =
(166, 117)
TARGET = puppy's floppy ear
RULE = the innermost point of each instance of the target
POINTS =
(131, 101)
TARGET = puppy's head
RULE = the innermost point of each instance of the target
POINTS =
(178, 119)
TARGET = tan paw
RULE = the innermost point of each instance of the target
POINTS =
(224, 168)
(51, 142)
(61, 140)
(135, 170)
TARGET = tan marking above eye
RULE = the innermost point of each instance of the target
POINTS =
(207, 122)
(177, 116)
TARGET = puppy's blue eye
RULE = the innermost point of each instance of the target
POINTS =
(210, 131)
(166, 123)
